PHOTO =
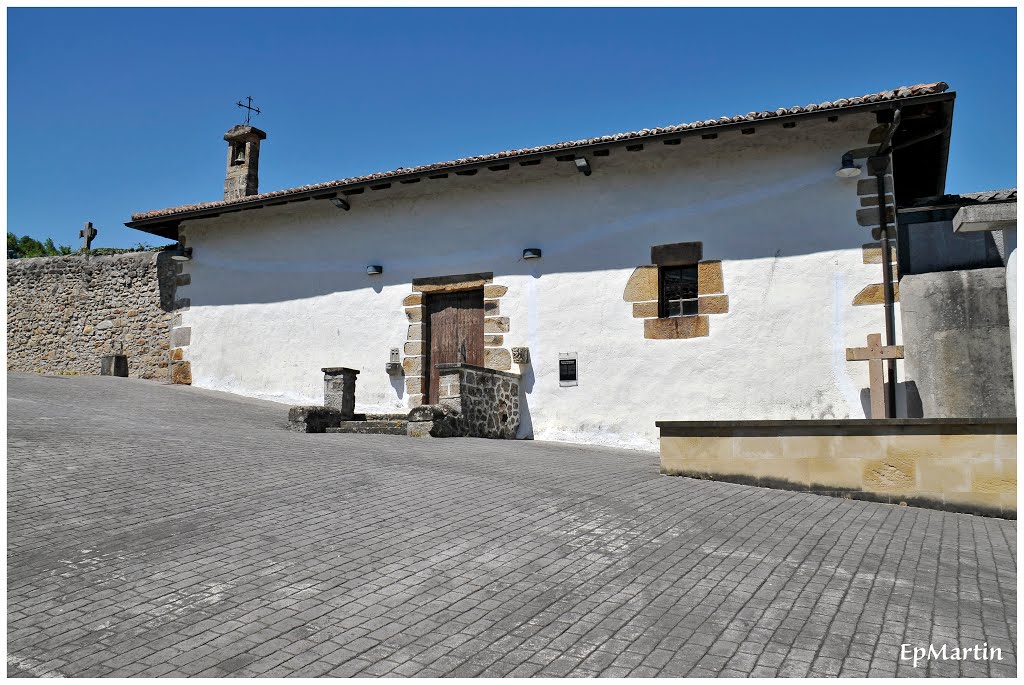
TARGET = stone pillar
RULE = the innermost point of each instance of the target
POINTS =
(340, 390)
(449, 390)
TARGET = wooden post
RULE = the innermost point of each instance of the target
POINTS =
(874, 354)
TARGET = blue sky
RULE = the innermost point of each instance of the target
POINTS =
(115, 111)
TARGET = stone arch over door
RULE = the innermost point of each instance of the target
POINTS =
(414, 364)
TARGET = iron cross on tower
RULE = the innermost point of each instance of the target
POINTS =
(249, 109)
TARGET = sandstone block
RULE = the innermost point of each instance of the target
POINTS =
(642, 285)
(181, 373)
(496, 324)
(414, 299)
(492, 291)
(645, 310)
(497, 358)
(713, 304)
(709, 278)
(676, 327)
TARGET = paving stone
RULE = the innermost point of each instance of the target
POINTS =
(158, 530)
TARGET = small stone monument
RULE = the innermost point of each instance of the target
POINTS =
(340, 390)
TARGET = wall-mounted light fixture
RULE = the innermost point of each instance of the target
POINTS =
(341, 203)
(374, 270)
(848, 169)
(582, 165)
(531, 253)
(182, 254)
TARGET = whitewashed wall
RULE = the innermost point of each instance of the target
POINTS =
(278, 293)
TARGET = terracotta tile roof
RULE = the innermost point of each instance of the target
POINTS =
(979, 198)
(895, 94)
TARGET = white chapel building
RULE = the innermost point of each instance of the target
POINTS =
(716, 270)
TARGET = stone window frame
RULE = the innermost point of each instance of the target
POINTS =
(643, 290)
(497, 355)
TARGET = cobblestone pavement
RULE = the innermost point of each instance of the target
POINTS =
(165, 530)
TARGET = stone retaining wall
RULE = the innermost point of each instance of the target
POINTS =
(64, 313)
(487, 400)
(965, 465)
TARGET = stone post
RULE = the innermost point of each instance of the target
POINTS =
(340, 390)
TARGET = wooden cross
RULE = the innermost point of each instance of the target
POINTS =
(87, 234)
(250, 109)
(874, 354)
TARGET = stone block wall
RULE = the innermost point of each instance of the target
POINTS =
(487, 400)
(64, 313)
(967, 465)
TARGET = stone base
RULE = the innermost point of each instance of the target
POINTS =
(313, 419)
(433, 421)
(372, 427)
(967, 465)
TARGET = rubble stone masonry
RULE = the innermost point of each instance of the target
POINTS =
(64, 313)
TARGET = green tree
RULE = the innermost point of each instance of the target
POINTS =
(26, 246)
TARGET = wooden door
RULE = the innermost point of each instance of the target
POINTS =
(455, 332)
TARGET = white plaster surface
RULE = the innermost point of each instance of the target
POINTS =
(278, 293)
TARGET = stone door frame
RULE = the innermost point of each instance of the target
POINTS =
(414, 364)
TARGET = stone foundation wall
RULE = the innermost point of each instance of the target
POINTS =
(956, 464)
(64, 313)
(487, 400)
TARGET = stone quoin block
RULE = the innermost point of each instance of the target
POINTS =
(414, 313)
(875, 294)
(496, 324)
(414, 385)
(713, 304)
(415, 332)
(709, 278)
(183, 279)
(183, 304)
(645, 310)
(497, 358)
(494, 340)
(492, 291)
(642, 285)
(414, 299)
(677, 327)
(491, 308)
(413, 366)
(413, 349)
(181, 373)
(869, 216)
(869, 186)
(872, 252)
(872, 200)
(180, 337)
(521, 355)
(177, 354)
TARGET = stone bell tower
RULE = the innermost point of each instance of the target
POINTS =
(243, 161)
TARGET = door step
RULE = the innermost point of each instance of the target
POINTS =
(372, 427)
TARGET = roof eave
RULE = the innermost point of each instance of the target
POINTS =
(167, 225)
